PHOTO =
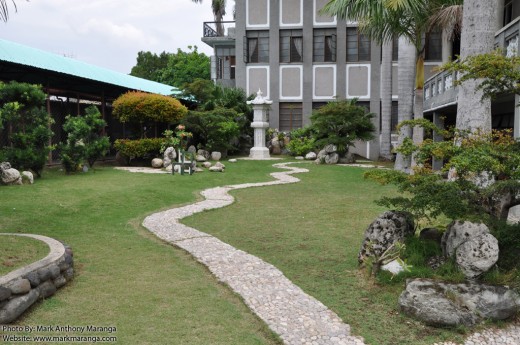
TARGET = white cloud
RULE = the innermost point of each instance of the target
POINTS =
(109, 33)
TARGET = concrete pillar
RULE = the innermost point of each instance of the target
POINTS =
(438, 121)
(447, 47)
(260, 123)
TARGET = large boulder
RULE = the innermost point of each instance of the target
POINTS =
(459, 232)
(169, 156)
(192, 150)
(442, 304)
(311, 156)
(332, 158)
(477, 255)
(27, 177)
(157, 163)
(390, 227)
(215, 155)
(11, 177)
(204, 153)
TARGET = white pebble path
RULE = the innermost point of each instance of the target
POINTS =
(291, 313)
(295, 316)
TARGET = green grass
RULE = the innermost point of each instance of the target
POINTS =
(18, 251)
(312, 231)
(152, 292)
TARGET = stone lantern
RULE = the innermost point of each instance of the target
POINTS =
(260, 122)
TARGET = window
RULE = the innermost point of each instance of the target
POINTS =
(291, 46)
(256, 46)
(508, 12)
(358, 46)
(395, 49)
(290, 116)
(433, 46)
(324, 45)
(225, 63)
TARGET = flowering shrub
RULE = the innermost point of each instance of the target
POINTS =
(180, 140)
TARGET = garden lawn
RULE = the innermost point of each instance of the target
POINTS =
(312, 232)
(18, 251)
(151, 292)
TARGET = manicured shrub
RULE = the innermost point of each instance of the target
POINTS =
(144, 109)
(341, 123)
(22, 113)
(140, 148)
(84, 142)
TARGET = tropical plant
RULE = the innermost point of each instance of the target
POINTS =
(4, 9)
(84, 141)
(219, 11)
(27, 124)
(410, 21)
(341, 123)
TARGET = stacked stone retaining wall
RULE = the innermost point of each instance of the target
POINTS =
(21, 288)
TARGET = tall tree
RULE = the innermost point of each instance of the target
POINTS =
(479, 25)
(409, 20)
(150, 65)
(185, 67)
(219, 11)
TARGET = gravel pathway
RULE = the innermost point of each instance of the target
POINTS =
(295, 316)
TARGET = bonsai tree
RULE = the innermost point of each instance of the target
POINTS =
(27, 124)
(341, 123)
(144, 109)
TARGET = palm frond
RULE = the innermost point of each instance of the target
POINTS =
(449, 19)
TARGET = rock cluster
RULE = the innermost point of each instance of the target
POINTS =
(169, 156)
(474, 248)
(10, 176)
(390, 227)
(22, 290)
(449, 305)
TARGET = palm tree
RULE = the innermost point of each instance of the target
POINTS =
(219, 11)
(479, 24)
(408, 20)
(4, 10)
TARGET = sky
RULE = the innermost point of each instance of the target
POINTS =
(109, 33)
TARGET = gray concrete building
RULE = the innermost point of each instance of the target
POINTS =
(301, 59)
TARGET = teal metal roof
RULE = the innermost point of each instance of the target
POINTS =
(20, 54)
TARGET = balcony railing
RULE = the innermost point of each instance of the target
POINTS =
(219, 29)
(439, 90)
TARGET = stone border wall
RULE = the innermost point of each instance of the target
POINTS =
(23, 287)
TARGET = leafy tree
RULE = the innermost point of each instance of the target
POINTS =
(341, 123)
(215, 129)
(484, 173)
(496, 73)
(150, 65)
(146, 109)
(28, 125)
(185, 67)
(84, 141)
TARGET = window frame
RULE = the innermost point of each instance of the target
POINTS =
(288, 46)
(360, 42)
(321, 52)
(262, 46)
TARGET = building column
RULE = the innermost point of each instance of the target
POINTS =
(447, 48)
(438, 121)
(308, 77)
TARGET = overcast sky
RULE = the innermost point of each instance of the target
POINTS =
(108, 33)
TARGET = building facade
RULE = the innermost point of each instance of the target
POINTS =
(440, 92)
